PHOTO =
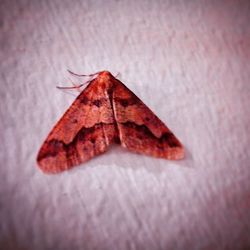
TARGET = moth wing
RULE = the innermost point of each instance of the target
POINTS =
(140, 130)
(85, 130)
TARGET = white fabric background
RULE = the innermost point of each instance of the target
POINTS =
(189, 62)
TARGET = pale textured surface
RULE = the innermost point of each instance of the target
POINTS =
(189, 61)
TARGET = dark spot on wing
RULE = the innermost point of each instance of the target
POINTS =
(140, 137)
(170, 139)
(52, 148)
(97, 103)
(84, 100)
(127, 102)
(124, 102)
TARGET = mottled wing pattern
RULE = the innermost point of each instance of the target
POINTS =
(85, 130)
(140, 130)
(106, 112)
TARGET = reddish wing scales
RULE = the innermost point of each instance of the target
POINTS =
(85, 130)
(140, 130)
(105, 112)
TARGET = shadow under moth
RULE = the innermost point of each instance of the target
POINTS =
(106, 112)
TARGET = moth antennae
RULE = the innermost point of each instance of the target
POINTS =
(74, 87)
(75, 74)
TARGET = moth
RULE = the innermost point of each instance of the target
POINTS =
(106, 112)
